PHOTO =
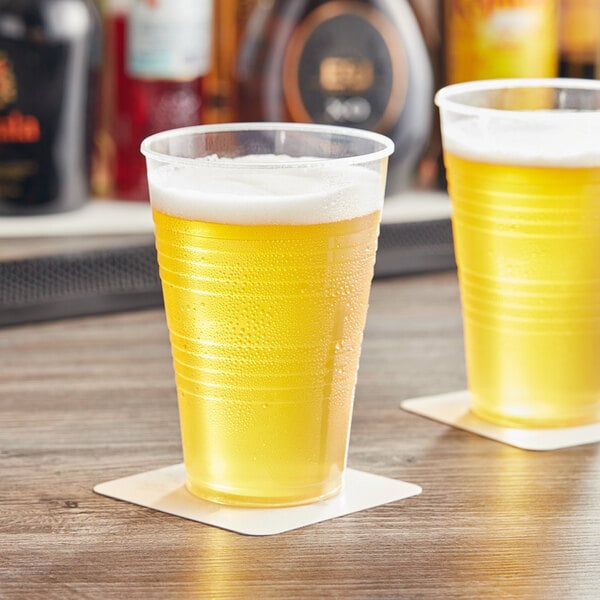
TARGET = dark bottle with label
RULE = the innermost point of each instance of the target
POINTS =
(359, 63)
(48, 54)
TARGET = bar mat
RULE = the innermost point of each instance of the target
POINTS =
(126, 278)
(78, 284)
(415, 247)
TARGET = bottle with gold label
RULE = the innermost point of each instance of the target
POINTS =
(488, 39)
(219, 84)
(49, 52)
(359, 63)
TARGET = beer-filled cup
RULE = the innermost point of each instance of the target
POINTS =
(266, 237)
(523, 167)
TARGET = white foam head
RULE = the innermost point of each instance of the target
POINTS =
(557, 137)
(227, 191)
(533, 139)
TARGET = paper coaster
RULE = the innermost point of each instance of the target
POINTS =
(453, 409)
(164, 490)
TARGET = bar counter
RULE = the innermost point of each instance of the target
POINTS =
(91, 399)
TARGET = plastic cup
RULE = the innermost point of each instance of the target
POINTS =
(266, 237)
(523, 168)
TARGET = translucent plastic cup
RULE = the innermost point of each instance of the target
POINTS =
(266, 237)
(523, 169)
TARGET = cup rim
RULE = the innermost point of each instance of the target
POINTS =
(443, 98)
(386, 150)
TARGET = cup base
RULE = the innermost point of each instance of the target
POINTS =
(528, 423)
(245, 500)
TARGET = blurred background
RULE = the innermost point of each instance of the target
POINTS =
(83, 82)
(373, 64)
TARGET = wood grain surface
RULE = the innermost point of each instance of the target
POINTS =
(89, 400)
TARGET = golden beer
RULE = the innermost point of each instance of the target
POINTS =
(266, 326)
(266, 236)
(523, 170)
(527, 241)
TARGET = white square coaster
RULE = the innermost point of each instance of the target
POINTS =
(164, 490)
(453, 409)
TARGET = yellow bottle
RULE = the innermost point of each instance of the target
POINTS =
(488, 39)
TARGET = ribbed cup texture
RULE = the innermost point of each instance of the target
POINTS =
(527, 243)
(266, 325)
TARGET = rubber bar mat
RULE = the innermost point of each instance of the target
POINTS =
(76, 284)
(126, 278)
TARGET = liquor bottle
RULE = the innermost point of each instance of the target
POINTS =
(430, 171)
(492, 39)
(49, 53)
(497, 39)
(219, 85)
(158, 52)
(359, 63)
(579, 38)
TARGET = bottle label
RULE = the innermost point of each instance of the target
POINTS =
(345, 64)
(488, 39)
(32, 77)
(169, 39)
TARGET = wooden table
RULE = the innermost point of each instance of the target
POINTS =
(89, 400)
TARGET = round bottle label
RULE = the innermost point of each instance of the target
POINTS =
(345, 64)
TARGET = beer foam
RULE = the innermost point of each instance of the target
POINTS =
(528, 138)
(313, 191)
